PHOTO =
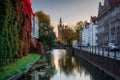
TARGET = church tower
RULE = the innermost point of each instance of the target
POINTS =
(60, 26)
(60, 22)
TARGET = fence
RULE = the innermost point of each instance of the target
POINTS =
(103, 51)
(106, 64)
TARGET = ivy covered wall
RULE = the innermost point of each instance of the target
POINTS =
(15, 32)
(24, 14)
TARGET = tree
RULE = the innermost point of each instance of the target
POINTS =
(67, 35)
(46, 33)
(78, 27)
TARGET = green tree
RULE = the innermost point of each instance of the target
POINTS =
(78, 27)
(46, 33)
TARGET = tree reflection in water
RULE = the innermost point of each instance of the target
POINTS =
(67, 67)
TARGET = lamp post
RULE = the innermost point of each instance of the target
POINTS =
(92, 34)
(92, 37)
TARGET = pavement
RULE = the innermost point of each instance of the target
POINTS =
(101, 51)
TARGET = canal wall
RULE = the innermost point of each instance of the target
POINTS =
(105, 64)
(69, 50)
(94, 71)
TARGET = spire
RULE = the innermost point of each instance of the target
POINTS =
(100, 7)
(61, 21)
(106, 3)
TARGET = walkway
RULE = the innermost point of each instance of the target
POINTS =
(101, 51)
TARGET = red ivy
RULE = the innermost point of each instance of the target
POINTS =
(24, 11)
(32, 43)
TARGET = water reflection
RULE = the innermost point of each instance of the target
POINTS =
(67, 68)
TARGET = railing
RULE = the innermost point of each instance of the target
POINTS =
(103, 51)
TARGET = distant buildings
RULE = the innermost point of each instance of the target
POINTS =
(108, 22)
(106, 27)
(60, 27)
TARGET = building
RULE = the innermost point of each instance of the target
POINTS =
(35, 28)
(60, 27)
(89, 32)
(108, 29)
(92, 31)
(85, 34)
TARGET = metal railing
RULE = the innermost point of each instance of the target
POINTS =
(103, 51)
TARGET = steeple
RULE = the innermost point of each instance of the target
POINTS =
(106, 3)
(60, 27)
(100, 7)
(60, 22)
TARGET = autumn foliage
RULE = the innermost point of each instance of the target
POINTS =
(46, 34)
(67, 35)
(24, 11)
(15, 32)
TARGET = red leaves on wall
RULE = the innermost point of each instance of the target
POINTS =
(24, 12)
(32, 43)
(29, 3)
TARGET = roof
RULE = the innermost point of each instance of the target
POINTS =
(107, 3)
(86, 24)
(94, 19)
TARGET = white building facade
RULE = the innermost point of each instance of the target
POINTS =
(35, 28)
(85, 34)
(89, 31)
(92, 31)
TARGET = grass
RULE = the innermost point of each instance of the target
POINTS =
(20, 66)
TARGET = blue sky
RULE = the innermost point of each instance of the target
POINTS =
(71, 11)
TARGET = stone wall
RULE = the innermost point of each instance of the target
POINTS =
(107, 65)
(70, 50)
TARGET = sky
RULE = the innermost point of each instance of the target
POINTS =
(71, 11)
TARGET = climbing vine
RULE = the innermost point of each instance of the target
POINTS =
(15, 32)
(24, 14)
(8, 33)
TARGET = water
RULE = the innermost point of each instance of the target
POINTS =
(67, 67)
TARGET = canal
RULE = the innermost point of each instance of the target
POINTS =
(68, 68)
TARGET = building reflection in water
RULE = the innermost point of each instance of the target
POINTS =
(67, 68)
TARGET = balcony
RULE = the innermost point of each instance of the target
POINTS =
(113, 19)
(117, 23)
(118, 16)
